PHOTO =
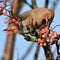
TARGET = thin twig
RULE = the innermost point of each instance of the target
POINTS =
(34, 4)
(46, 3)
(28, 4)
(55, 27)
(55, 3)
(57, 46)
(37, 52)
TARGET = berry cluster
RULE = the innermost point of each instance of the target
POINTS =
(6, 12)
(12, 26)
(46, 36)
(3, 7)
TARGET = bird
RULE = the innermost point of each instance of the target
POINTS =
(35, 19)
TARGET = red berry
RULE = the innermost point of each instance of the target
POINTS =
(48, 40)
(55, 34)
(5, 21)
(4, 13)
(16, 22)
(13, 20)
(39, 40)
(41, 44)
(7, 33)
(16, 31)
(52, 37)
(50, 34)
(4, 5)
(44, 44)
(10, 28)
(46, 28)
(42, 30)
(44, 35)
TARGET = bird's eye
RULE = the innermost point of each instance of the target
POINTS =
(44, 21)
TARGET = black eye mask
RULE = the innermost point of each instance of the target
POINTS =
(44, 22)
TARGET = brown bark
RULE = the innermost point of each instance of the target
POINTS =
(37, 52)
(8, 53)
(17, 5)
(34, 5)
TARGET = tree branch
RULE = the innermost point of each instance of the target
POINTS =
(28, 4)
(17, 5)
(37, 52)
(46, 3)
(34, 5)
(8, 53)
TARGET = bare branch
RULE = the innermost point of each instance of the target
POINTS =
(17, 5)
(55, 27)
(8, 53)
(46, 3)
(34, 4)
(55, 3)
(28, 4)
(37, 52)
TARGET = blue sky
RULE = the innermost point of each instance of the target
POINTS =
(21, 45)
